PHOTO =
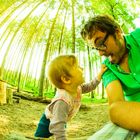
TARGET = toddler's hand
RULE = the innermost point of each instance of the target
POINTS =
(103, 68)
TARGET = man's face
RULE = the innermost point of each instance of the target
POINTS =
(111, 46)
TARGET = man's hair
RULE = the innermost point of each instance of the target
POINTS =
(103, 23)
(60, 66)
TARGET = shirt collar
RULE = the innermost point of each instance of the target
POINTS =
(127, 42)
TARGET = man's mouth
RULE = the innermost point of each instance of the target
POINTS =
(109, 55)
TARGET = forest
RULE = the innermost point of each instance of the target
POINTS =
(32, 33)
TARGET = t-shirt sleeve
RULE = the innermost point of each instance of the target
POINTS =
(108, 77)
(58, 122)
(88, 87)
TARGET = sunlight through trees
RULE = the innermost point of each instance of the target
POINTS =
(32, 32)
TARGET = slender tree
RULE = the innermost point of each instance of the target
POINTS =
(73, 27)
(46, 54)
(60, 42)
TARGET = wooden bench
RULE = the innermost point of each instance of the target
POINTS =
(113, 132)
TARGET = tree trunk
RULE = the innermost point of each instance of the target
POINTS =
(73, 28)
(42, 76)
(60, 42)
(90, 70)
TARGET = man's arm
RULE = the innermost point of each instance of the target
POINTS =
(114, 92)
(123, 113)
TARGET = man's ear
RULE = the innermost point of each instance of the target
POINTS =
(66, 79)
(119, 33)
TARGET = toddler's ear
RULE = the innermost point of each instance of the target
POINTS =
(65, 79)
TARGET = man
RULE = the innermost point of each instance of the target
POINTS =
(122, 79)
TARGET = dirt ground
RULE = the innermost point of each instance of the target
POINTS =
(21, 119)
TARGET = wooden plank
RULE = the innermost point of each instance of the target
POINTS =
(113, 132)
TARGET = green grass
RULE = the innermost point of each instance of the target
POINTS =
(49, 95)
(88, 100)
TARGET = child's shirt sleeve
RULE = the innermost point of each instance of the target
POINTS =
(58, 122)
(88, 87)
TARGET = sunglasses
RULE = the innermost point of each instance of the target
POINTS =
(101, 44)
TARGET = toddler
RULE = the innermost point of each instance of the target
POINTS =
(66, 75)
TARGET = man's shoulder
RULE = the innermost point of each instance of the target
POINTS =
(136, 32)
(133, 39)
(108, 75)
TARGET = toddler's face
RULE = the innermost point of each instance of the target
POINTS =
(77, 75)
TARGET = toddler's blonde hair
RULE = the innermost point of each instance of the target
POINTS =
(60, 66)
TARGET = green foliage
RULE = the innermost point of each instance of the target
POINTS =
(49, 94)
(32, 31)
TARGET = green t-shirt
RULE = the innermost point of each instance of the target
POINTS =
(130, 81)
